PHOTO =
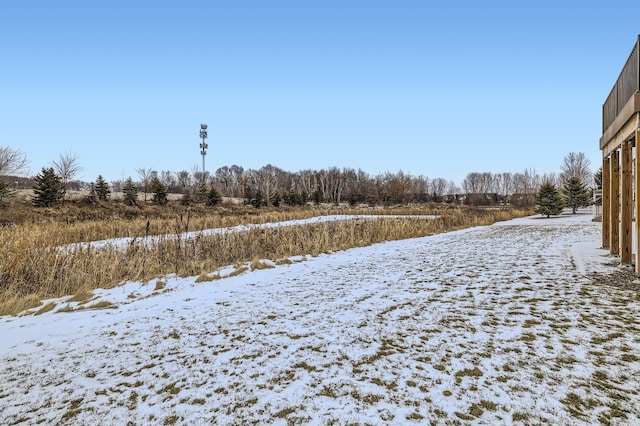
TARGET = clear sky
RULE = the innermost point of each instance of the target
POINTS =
(432, 88)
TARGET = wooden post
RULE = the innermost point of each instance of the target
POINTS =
(626, 203)
(614, 209)
(606, 199)
(637, 206)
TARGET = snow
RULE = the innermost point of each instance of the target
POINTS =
(501, 324)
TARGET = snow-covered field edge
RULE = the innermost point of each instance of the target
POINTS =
(505, 324)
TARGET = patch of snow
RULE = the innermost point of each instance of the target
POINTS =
(490, 325)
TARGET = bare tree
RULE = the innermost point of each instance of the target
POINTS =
(184, 180)
(168, 179)
(146, 174)
(576, 164)
(12, 161)
(67, 167)
(526, 185)
(440, 187)
(265, 180)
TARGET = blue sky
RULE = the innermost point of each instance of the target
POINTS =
(438, 89)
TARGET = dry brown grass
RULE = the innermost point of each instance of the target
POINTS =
(33, 267)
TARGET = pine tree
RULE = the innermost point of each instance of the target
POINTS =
(201, 193)
(48, 189)
(159, 192)
(576, 194)
(258, 200)
(92, 197)
(186, 198)
(597, 178)
(213, 197)
(102, 188)
(130, 192)
(548, 200)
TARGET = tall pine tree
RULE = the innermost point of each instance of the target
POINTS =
(48, 189)
(213, 197)
(159, 192)
(576, 194)
(548, 200)
(130, 192)
(102, 188)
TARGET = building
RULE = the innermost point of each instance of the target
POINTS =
(620, 131)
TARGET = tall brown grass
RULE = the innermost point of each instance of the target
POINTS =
(33, 266)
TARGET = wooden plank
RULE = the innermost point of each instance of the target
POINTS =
(625, 204)
(614, 216)
(637, 206)
(606, 199)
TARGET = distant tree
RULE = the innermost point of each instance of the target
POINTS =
(6, 192)
(146, 174)
(116, 185)
(130, 192)
(48, 188)
(597, 178)
(576, 194)
(548, 200)
(576, 164)
(187, 197)
(258, 201)
(276, 199)
(102, 188)
(201, 193)
(12, 161)
(92, 197)
(159, 192)
(213, 197)
(67, 166)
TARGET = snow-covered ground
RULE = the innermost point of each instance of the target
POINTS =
(504, 324)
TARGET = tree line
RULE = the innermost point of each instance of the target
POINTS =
(272, 186)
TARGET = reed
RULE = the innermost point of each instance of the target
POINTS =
(34, 266)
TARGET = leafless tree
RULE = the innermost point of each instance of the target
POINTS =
(168, 179)
(440, 187)
(307, 182)
(551, 178)
(67, 167)
(576, 164)
(504, 183)
(12, 161)
(477, 183)
(184, 179)
(146, 174)
(266, 180)
(526, 185)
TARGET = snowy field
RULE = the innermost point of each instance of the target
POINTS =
(505, 324)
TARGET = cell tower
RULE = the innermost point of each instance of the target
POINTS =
(203, 147)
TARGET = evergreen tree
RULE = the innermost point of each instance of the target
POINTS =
(130, 192)
(201, 193)
(102, 188)
(276, 199)
(597, 178)
(548, 200)
(576, 194)
(213, 197)
(6, 192)
(186, 198)
(258, 200)
(159, 192)
(48, 189)
(92, 198)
